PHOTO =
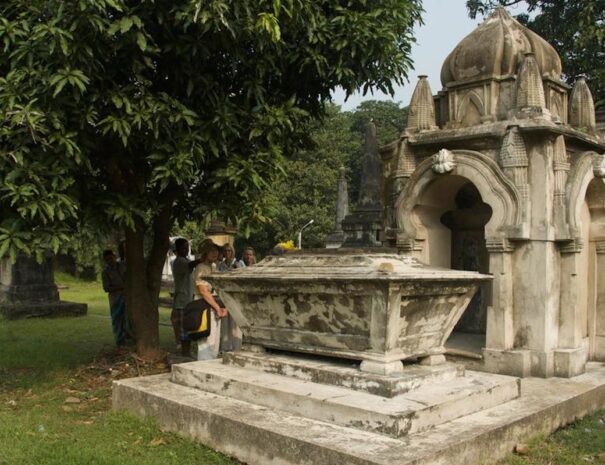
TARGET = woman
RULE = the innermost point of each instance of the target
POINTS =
(209, 347)
(230, 262)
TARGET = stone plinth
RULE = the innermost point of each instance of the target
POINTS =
(263, 417)
(380, 308)
(27, 289)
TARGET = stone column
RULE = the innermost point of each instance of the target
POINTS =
(27, 289)
(336, 238)
(571, 354)
(598, 343)
(499, 353)
(363, 227)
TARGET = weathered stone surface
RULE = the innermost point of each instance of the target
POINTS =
(398, 416)
(344, 373)
(260, 435)
(28, 290)
(379, 307)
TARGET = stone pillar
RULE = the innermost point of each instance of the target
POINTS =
(364, 226)
(27, 289)
(598, 330)
(571, 353)
(499, 353)
(336, 238)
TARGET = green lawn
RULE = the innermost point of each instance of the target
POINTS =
(55, 393)
(55, 399)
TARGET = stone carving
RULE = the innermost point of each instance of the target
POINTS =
(599, 166)
(443, 162)
(529, 91)
(581, 107)
(422, 107)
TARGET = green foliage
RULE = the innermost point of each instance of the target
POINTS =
(307, 189)
(123, 109)
(576, 30)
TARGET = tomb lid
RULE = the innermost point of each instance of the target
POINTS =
(496, 48)
(349, 265)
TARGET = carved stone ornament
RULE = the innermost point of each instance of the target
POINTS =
(443, 162)
(599, 166)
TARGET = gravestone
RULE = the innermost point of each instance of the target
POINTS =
(27, 289)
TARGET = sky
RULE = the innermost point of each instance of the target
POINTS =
(446, 22)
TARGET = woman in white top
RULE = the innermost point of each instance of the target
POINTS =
(209, 347)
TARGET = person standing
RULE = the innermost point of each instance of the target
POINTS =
(113, 283)
(229, 262)
(208, 348)
(249, 257)
(182, 267)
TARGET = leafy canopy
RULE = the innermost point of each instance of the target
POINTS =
(575, 28)
(118, 111)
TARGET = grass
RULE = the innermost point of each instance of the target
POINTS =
(55, 399)
(55, 393)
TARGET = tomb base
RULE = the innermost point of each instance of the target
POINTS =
(244, 409)
(16, 311)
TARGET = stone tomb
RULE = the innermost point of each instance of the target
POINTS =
(27, 289)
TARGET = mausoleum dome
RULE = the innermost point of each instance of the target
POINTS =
(496, 48)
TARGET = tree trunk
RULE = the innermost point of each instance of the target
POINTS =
(143, 281)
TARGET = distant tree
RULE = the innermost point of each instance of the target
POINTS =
(575, 28)
(145, 114)
(307, 188)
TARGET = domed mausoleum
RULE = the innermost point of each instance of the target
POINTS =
(502, 172)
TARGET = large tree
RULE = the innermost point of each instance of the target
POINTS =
(135, 115)
(575, 28)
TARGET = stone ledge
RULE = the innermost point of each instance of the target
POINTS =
(344, 373)
(38, 310)
(260, 436)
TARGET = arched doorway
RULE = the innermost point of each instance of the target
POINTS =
(451, 216)
(469, 252)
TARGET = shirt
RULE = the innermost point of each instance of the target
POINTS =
(183, 286)
(113, 282)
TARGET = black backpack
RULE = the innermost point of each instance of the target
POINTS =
(196, 318)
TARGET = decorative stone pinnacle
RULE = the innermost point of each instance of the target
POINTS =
(443, 162)
(581, 107)
(530, 90)
(422, 108)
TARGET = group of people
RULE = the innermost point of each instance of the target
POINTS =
(190, 283)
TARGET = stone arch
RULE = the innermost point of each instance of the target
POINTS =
(582, 314)
(580, 176)
(494, 187)
(471, 109)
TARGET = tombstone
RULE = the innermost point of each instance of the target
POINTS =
(27, 289)
(336, 237)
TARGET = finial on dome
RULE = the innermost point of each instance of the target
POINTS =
(529, 89)
(581, 107)
(422, 108)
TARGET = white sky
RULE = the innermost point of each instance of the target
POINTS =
(446, 22)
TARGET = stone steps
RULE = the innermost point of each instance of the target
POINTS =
(407, 413)
(344, 373)
(260, 435)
